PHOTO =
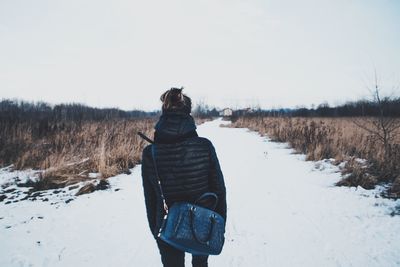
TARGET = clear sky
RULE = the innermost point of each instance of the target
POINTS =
(125, 53)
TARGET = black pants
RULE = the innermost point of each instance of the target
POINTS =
(172, 257)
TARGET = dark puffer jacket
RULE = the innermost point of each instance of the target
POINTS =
(187, 164)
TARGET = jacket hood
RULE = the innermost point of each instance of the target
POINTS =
(174, 126)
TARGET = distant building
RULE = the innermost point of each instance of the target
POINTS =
(226, 112)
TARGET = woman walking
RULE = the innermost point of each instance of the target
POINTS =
(187, 166)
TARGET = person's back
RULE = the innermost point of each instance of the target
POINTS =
(188, 167)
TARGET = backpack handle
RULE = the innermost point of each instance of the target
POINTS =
(206, 195)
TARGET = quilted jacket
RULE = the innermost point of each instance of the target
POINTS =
(188, 166)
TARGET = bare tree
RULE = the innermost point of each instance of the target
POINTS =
(383, 128)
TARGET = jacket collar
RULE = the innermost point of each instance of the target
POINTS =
(174, 126)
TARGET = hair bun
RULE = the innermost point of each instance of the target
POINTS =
(174, 99)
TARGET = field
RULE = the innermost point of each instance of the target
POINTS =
(367, 162)
(68, 152)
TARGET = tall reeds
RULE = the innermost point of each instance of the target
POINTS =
(68, 152)
(338, 138)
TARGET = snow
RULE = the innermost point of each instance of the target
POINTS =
(9, 177)
(282, 211)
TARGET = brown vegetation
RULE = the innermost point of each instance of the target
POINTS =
(338, 138)
(70, 150)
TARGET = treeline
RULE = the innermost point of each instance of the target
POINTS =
(204, 111)
(22, 111)
(42, 119)
(386, 107)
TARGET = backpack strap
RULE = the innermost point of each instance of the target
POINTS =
(145, 137)
(153, 153)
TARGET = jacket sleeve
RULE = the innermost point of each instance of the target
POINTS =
(149, 192)
(217, 184)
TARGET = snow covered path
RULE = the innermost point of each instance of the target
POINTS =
(282, 211)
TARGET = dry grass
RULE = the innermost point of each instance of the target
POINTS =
(72, 151)
(337, 138)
